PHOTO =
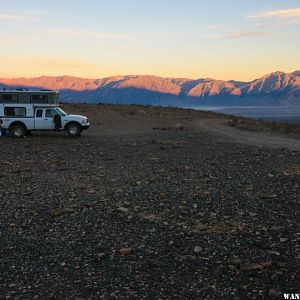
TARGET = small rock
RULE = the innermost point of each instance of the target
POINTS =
(282, 265)
(269, 196)
(123, 209)
(200, 227)
(232, 268)
(198, 249)
(234, 260)
(125, 251)
(112, 256)
(179, 126)
(275, 277)
(56, 212)
(271, 252)
(273, 294)
(251, 267)
(219, 271)
(100, 255)
(267, 264)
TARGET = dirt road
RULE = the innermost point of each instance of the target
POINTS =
(219, 127)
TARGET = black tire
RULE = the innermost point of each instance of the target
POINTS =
(17, 131)
(74, 130)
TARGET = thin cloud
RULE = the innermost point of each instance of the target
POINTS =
(295, 21)
(256, 34)
(54, 62)
(214, 27)
(280, 14)
(28, 15)
(240, 35)
(32, 66)
(76, 33)
(113, 41)
(11, 17)
(88, 34)
(277, 18)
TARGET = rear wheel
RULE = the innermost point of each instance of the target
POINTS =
(18, 131)
(74, 130)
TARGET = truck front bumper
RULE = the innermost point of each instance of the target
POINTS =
(85, 126)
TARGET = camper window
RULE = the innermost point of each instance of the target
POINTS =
(39, 98)
(7, 98)
(15, 111)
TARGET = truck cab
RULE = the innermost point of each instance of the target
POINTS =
(44, 119)
(28, 111)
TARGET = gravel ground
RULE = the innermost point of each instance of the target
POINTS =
(145, 205)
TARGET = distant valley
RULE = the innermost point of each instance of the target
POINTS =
(277, 88)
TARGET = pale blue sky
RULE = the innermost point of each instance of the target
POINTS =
(230, 39)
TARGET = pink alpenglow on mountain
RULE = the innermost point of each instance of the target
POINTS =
(277, 81)
(275, 88)
(212, 87)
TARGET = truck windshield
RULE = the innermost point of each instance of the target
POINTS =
(61, 112)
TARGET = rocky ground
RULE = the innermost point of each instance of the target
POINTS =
(150, 204)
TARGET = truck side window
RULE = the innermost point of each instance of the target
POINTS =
(39, 113)
(50, 113)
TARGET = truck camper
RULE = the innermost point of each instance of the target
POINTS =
(23, 111)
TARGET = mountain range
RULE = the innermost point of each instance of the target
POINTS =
(277, 88)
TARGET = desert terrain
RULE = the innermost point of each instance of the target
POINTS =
(151, 203)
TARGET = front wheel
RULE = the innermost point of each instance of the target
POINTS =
(74, 130)
(17, 131)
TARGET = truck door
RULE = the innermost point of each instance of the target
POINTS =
(39, 119)
(44, 119)
(49, 119)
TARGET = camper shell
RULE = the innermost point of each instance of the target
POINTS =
(24, 96)
(23, 111)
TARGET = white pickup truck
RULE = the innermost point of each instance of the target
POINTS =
(19, 117)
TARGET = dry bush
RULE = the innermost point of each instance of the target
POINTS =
(233, 120)
(285, 127)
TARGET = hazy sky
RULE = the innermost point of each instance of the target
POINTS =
(232, 39)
